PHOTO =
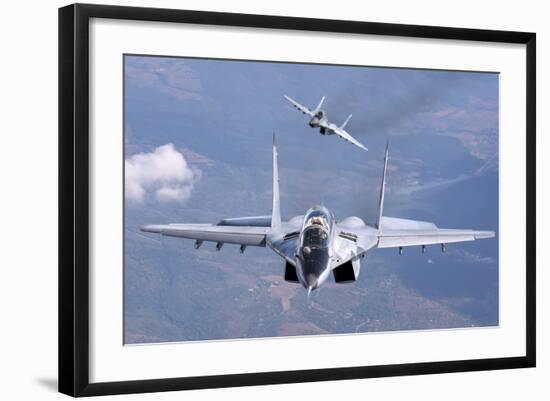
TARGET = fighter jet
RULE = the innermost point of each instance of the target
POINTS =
(316, 244)
(318, 119)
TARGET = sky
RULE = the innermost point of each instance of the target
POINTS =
(198, 138)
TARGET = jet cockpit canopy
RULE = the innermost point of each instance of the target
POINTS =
(316, 228)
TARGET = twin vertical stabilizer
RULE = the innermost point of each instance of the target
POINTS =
(382, 191)
(319, 105)
(345, 122)
(276, 210)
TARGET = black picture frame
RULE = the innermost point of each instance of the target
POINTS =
(74, 198)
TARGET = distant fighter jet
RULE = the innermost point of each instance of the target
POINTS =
(318, 119)
(316, 244)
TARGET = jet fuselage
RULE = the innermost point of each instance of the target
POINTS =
(319, 119)
(315, 247)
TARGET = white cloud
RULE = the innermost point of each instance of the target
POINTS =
(167, 194)
(163, 173)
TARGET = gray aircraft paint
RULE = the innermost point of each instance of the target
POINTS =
(319, 119)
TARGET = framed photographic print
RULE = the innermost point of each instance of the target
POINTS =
(250, 199)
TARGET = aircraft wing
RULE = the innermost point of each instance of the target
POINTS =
(395, 232)
(345, 135)
(300, 107)
(227, 233)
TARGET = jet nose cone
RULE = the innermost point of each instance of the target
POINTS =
(311, 281)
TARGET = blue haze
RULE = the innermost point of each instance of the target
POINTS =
(442, 128)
